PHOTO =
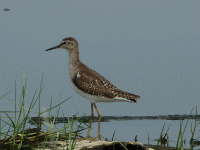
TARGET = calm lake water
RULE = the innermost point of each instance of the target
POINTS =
(127, 130)
(150, 48)
(146, 130)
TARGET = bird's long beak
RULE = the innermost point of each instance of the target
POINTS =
(55, 47)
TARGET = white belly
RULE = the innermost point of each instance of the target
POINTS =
(97, 99)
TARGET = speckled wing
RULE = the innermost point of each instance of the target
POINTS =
(90, 82)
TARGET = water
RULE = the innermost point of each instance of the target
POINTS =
(150, 49)
(147, 131)
(126, 128)
(147, 48)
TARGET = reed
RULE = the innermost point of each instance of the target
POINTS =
(19, 136)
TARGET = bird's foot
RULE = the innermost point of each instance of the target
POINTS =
(99, 136)
(88, 137)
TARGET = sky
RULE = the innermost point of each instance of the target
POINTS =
(150, 48)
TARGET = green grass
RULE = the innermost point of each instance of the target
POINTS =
(19, 136)
(181, 136)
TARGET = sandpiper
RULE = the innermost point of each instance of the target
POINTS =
(90, 84)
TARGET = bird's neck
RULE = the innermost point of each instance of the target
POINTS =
(74, 61)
